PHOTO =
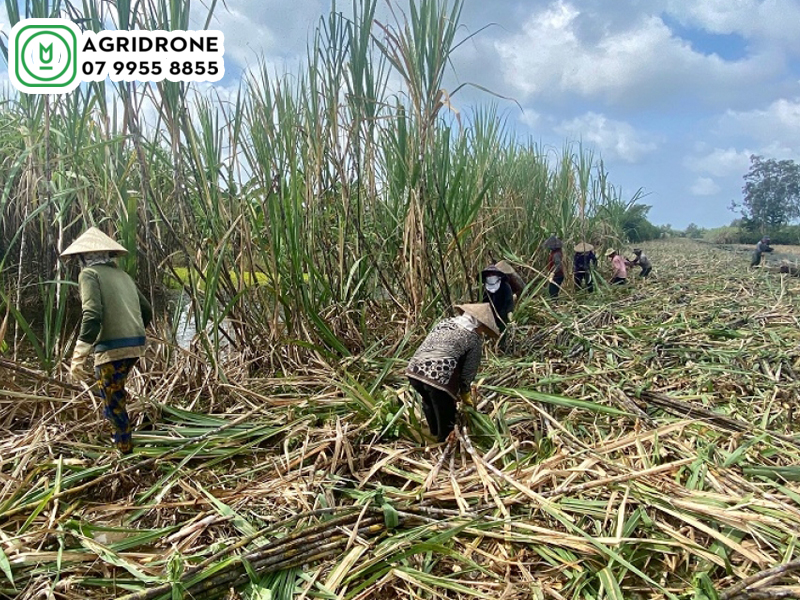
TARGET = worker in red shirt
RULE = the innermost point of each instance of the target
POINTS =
(555, 265)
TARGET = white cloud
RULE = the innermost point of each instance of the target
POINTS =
(776, 127)
(563, 50)
(704, 186)
(774, 21)
(530, 118)
(721, 162)
(272, 28)
(773, 132)
(614, 139)
(245, 39)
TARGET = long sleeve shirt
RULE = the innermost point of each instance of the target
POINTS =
(555, 262)
(448, 359)
(114, 313)
(583, 261)
(620, 271)
(502, 302)
(763, 247)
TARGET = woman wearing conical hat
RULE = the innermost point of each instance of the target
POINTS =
(515, 281)
(619, 274)
(498, 294)
(114, 317)
(582, 266)
(446, 363)
(501, 286)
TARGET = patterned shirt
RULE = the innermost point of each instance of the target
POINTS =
(448, 359)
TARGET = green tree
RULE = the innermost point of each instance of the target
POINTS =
(629, 218)
(635, 224)
(693, 231)
(771, 192)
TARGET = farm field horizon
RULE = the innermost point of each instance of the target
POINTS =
(640, 442)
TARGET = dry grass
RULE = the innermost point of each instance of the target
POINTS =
(639, 443)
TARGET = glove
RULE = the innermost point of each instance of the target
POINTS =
(510, 317)
(77, 367)
(466, 398)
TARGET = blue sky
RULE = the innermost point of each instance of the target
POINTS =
(674, 94)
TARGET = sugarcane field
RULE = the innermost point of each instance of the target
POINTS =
(344, 324)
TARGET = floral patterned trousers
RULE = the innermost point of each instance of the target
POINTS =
(111, 378)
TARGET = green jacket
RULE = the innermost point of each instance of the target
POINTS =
(115, 313)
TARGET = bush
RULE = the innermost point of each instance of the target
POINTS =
(740, 234)
(723, 235)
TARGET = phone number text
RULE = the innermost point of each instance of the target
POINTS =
(152, 70)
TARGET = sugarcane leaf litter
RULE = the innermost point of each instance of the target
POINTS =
(637, 442)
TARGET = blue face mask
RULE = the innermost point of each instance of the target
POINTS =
(492, 283)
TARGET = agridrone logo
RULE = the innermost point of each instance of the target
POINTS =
(53, 56)
(44, 55)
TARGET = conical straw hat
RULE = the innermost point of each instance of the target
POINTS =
(583, 247)
(93, 240)
(610, 251)
(504, 267)
(483, 313)
(514, 280)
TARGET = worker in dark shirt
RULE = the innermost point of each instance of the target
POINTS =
(582, 266)
(498, 293)
(641, 260)
(761, 247)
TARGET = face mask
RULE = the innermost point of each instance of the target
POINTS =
(90, 259)
(492, 283)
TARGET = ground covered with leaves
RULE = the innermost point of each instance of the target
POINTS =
(637, 443)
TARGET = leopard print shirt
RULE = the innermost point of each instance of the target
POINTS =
(448, 359)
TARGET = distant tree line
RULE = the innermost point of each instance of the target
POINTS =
(770, 205)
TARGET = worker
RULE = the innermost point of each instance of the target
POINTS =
(555, 265)
(498, 294)
(619, 273)
(641, 260)
(582, 266)
(761, 247)
(114, 317)
(446, 363)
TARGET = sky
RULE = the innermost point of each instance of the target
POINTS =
(675, 95)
